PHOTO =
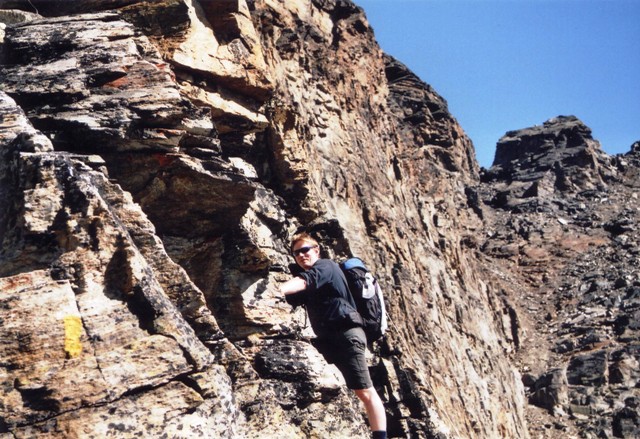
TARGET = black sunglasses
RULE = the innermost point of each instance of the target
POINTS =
(303, 250)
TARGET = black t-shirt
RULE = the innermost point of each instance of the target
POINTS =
(327, 298)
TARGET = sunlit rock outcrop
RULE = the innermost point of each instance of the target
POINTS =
(155, 160)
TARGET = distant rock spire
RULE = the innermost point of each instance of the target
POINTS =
(562, 146)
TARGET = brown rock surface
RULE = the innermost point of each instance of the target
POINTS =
(155, 159)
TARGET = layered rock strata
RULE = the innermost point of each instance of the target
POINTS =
(158, 156)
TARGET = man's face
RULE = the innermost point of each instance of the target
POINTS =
(306, 254)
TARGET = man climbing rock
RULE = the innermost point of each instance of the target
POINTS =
(322, 288)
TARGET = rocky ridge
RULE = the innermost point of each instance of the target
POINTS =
(562, 218)
(156, 159)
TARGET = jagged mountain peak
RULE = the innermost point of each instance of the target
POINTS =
(634, 152)
(561, 151)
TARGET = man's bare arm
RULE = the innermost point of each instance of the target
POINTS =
(293, 285)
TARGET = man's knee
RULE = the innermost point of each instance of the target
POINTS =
(366, 395)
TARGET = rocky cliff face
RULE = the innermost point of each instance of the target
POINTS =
(157, 157)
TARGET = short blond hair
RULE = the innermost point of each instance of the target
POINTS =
(302, 237)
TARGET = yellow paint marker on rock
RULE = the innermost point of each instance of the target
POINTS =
(72, 334)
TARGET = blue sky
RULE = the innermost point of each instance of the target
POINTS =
(509, 64)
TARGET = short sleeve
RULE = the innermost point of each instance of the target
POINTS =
(316, 276)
